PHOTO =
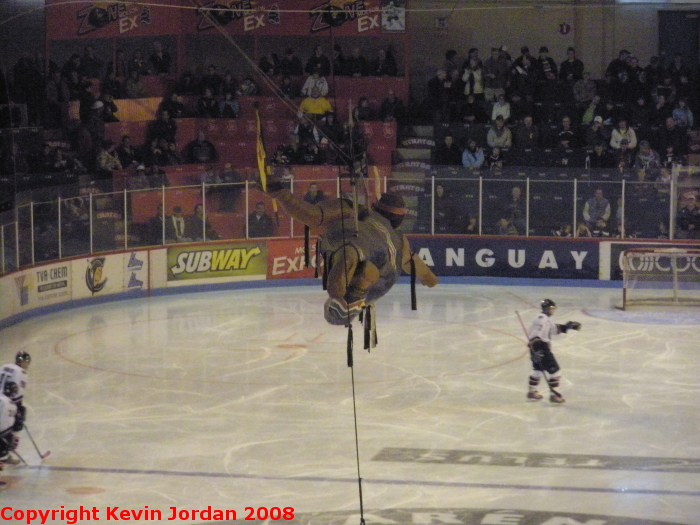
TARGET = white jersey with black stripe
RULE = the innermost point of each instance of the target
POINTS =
(543, 327)
(8, 410)
(14, 374)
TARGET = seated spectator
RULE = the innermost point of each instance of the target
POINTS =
(584, 89)
(384, 64)
(188, 85)
(472, 112)
(682, 114)
(501, 108)
(526, 135)
(624, 156)
(639, 113)
(315, 82)
(173, 105)
(445, 212)
(229, 107)
(211, 80)
(155, 228)
(499, 134)
(290, 64)
(269, 64)
(661, 111)
(665, 89)
(201, 151)
(596, 132)
(688, 218)
(172, 155)
(694, 142)
(90, 64)
(623, 131)
(447, 153)
(495, 160)
(109, 108)
(311, 154)
(314, 195)
(209, 176)
(228, 83)
(153, 152)
(356, 65)
(363, 111)
(138, 64)
(288, 154)
(671, 135)
(332, 135)
(175, 227)
(307, 130)
(288, 88)
(315, 106)
(260, 224)
(600, 157)
(207, 106)
(610, 113)
(582, 230)
(392, 108)
(318, 62)
(514, 209)
(248, 88)
(133, 87)
(473, 156)
(592, 109)
(107, 158)
(505, 227)
(56, 94)
(519, 108)
(128, 156)
(648, 160)
(160, 60)
(163, 127)
(199, 229)
(566, 136)
(139, 180)
(596, 209)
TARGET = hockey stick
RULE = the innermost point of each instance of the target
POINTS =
(42, 456)
(19, 457)
(546, 378)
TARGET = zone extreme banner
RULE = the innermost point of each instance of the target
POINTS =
(68, 20)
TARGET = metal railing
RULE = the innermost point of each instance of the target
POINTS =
(93, 222)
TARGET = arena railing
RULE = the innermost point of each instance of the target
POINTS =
(96, 222)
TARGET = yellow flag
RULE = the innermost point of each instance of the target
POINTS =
(260, 153)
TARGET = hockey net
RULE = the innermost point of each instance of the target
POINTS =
(660, 277)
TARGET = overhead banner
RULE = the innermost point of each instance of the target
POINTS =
(67, 19)
(214, 263)
(508, 257)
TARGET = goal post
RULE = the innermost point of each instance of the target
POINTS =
(660, 277)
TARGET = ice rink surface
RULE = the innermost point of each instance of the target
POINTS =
(243, 398)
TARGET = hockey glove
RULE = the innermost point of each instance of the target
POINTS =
(573, 325)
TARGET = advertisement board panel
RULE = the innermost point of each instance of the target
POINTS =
(508, 257)
(285, 259)
(215, 263)
(98, 276)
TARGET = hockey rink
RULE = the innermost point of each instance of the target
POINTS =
(242, 399)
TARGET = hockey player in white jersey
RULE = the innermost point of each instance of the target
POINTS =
(17, 373)
(8, 411)
(540, 342)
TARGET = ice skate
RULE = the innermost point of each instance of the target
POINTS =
(556, 398)
(534, 396)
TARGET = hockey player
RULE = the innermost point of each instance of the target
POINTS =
(17, 374)
(364, 260)
(543, 360)
(8, 411)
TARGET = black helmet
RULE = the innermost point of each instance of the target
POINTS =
(23, 357)
(547, 305)
(10, 389)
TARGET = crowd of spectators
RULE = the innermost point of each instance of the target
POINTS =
(529, 111)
